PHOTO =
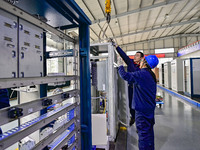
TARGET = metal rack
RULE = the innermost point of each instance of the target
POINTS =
(74, 18)
(14, 135)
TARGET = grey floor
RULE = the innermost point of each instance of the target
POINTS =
(177, 126)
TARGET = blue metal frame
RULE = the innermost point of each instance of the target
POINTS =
(63, 12)
(58, 5)
(85, 88)
(70, 10)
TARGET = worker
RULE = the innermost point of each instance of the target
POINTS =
(143, 99)
(4, 100)
(132, 65)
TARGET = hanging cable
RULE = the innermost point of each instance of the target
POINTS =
(108, 18)
(108, 10)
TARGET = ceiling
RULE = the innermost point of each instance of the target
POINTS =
(142, 20)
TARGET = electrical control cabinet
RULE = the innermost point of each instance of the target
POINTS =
(167, 75)
(30, 50)
(161, 74)
(176, 75)
(8, 45)
(191, 77)
(28, 61)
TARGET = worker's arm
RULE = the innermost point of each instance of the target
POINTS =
(123, 55)
(129, 76)
(3, 93)
(4, 98)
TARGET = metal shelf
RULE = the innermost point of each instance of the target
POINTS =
(36, 105)
(61, 53)
(53, 136)
(18, 82)
(63, 140)
(18, 133)
(74, 144)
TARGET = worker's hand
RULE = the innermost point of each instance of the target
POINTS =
(113, 42)
(120, 62)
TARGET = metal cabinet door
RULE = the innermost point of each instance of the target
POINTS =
(8, 45)
(173, 75)
(30, 50)
(195, 76)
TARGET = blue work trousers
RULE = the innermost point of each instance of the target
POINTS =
(145, 131)
(130, 97)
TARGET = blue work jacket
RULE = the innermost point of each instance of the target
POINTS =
(144, 89)
(131, 66)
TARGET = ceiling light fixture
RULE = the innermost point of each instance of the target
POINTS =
(166, 16)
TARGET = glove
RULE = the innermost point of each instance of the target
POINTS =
(120, 62)
(113, 42)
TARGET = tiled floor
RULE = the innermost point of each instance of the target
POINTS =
(177, 126)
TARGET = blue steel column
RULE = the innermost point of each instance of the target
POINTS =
(85, 88)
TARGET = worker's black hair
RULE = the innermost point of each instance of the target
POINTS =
(141, 54)
(151, 72)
